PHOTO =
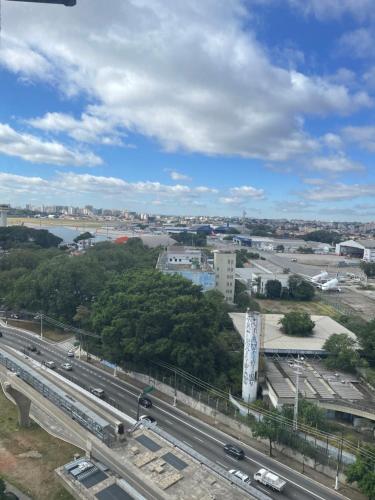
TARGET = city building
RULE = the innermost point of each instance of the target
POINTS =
(225, 268)
(191, 263)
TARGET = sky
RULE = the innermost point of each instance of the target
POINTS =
(210, 107)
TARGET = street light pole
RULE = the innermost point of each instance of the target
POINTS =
(298, 373)
(41, 326)
(139, 397)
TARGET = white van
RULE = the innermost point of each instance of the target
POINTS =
(99, 393)
(51, 365)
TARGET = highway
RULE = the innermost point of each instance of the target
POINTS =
(201, 437)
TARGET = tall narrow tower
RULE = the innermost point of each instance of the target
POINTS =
(251, 356)
(3, 215)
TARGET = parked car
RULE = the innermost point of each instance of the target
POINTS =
(234, 451)
(67, 366)
(145, 402)
(241, 475)
(99, 393)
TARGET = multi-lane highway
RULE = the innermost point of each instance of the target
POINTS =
(203, 438)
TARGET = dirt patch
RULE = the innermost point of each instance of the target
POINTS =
(28, 457)
(284, 306)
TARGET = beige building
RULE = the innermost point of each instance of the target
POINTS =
(225, 268)
(3, 215)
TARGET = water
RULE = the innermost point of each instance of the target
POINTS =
(69, 233)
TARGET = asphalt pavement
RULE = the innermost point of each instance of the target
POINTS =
(202, 437)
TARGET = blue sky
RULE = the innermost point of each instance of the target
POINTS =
(168, 106)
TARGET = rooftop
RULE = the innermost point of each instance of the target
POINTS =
(275, 341)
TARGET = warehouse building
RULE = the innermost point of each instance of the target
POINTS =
(362, 249)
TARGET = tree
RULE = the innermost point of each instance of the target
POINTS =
(323, 236)
(145, 316)
(342, 354)
(273, 289)
(27, 237)
(368, 268)
(300, 289)
(84, 236)
(297, 323)
(363, 472)
(2, 489)
(305, 250)
(366, 337)
(280, 248)
(269, 427)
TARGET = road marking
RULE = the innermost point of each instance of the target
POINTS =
(188, 444)
(197, 438)
(221, 465)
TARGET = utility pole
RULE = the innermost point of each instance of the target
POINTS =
(175, 389)
(298, 367)
(339, 458)
(41, 326)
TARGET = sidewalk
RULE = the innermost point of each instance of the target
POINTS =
(13, 489)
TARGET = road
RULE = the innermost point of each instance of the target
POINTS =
(203, 438)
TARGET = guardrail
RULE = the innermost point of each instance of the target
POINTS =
(220, 471)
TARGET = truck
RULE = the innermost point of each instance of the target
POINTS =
(269, 479)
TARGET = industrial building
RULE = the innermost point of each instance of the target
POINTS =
(225, 268)
(362, 249)
(190, 263)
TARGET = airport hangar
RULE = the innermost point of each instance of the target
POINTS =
(344, 396)
(362, 249)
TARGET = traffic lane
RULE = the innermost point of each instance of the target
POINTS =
(92, 372)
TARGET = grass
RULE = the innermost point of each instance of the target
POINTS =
(54, 334)
(34, 476)
(54, 222)
(314, 307)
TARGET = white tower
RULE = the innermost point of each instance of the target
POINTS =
(3, 215)
(251, 356)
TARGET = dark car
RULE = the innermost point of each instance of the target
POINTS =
(1, 334)
(31, 348)
(234, 451)
(145, 402)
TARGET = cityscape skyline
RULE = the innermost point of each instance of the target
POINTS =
(106, 105)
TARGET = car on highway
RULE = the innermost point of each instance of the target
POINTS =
(293, 260)
(147, 419)
(50, 364)
(67, 366)
(234, 451)
(99, 393)
(70, 354)
(1, 334)
(31, 348)
(145, 402)
(241, 475)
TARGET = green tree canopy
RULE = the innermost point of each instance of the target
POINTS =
(146, 316)
(273, 289)
(26, 237)
(323, 236)
(342, 354)
(368, 268)
(2, 489)
(84, 236)
(299, 288)
(297, 323)
(363, 472)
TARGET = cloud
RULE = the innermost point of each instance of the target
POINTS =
(339, 192)
(334, 9)
(358, 43)
(20, 58)
(314, 181)
(363, 136)
(89, 128)
(333, 141)
(335, 164)
(35, 150)
(225, 98)
(178, 176)
(247, 192)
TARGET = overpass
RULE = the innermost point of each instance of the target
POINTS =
(204, 439)
(93, 425)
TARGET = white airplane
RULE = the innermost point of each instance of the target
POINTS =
(319, 277)
(330, 286)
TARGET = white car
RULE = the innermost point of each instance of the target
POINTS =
(241, 475)
(67, 366)
(70, 354)
(148, 421)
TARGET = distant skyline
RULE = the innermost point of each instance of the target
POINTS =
(206, 108)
